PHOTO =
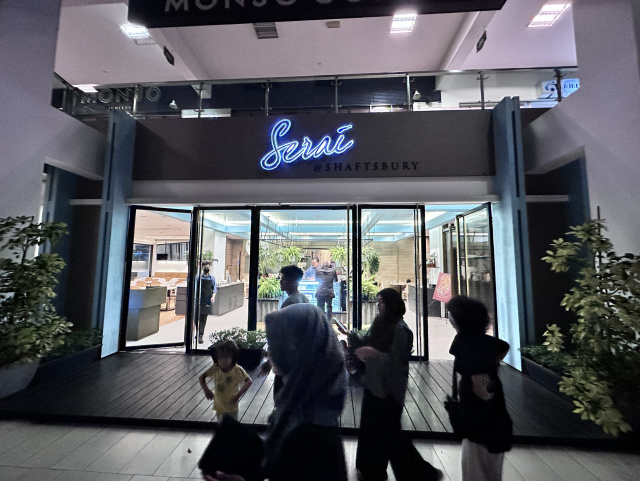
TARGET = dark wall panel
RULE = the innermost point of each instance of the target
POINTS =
(417, 144)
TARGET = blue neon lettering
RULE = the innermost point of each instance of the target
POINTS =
(292, 151)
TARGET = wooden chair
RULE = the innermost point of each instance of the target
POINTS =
(155, 283)
(142, 284)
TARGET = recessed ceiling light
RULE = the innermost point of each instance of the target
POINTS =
(88, 88)
(135, 31)
(548, 14)
(403, 23)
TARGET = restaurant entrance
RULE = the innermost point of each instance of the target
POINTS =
(221, 270)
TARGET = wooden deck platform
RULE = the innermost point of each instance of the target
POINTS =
(162, 390)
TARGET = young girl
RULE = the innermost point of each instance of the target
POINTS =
(227, 377)
(487, 425)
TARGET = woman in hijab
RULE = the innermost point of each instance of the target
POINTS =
(386, 349)
(301, 442)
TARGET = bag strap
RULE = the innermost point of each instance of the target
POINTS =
(454, 386)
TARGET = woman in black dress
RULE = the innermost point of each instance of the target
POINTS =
(385, 350)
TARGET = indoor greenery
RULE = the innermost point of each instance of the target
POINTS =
(603, 365)
(339, 255)
(267, 257)
(207, 256)
(551, 360)
(243, 338)
(74, 342)
(291, 254)
(269, 287)
(370, 288)
(370, 260)
(29, 325)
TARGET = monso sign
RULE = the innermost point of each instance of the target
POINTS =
(182, 13)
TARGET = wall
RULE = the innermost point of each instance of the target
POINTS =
(33, 132)
(435, 247)
(601, 121)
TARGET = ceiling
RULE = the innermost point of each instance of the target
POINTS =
(152, 227)
(92, 49)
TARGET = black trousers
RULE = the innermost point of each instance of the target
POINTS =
(381, 441)
(328, 301)
(202, 323)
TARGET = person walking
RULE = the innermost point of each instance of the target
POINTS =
(486, 425)
(385, 350)
(326, 276)
(208, 289)
(290, 277)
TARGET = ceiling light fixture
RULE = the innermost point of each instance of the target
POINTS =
(403, 23)
(173, 105)
(134, 31)
(548, 14)
(87, 88)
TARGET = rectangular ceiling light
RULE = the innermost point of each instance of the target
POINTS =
(134, 31)
(87, 88)
(548, 14)
(403, 23)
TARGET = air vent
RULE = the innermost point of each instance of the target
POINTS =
(333, 24)
(144, 41)
(266, 30)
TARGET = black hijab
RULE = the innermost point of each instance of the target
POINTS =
(380, 334)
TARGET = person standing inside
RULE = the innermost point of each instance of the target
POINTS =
(486, 425)
(290, 277)
(326, 276)
(385, 350)
(208, 289)
(311, 271)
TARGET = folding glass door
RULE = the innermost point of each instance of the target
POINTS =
(476, 277)
(157, 271)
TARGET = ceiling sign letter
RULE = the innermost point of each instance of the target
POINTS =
(202, 6)
(239, 2)
(176, 5)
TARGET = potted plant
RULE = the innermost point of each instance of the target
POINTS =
(370, 290)
(79, 349)
(603, 362)
(370, 260)
(249, 342)
(542, 365)
(269, 293)
(29, 325)
(267, 258)
(291, 254)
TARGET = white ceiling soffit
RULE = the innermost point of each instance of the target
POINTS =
(93, 50)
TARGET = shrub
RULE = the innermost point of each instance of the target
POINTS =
(243, 338)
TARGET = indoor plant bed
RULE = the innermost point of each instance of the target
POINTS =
(251, 344)
(269, 293)
(541, 374)
(29, 325)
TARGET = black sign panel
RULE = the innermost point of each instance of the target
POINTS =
(450, 143)
(183, 13)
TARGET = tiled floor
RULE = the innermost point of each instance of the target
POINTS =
(66, 452)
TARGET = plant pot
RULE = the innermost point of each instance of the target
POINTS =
(541, 374)
(267, 306)
(15, 377)
(58, 367)
(248, 358)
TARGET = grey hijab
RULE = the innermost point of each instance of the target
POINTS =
(306, 350)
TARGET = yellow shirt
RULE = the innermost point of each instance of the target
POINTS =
(227, 385)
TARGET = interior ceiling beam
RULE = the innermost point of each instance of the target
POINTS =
(465, 40)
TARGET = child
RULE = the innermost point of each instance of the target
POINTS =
(227, 377)
(487, 425)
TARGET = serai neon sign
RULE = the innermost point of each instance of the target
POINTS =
(293, 151)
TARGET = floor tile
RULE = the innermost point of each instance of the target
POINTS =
(58, 450)
(47, 434)
(90, 451)
(9, 473)
(154, 454)
(181, 462)
(139, 477)
(78, 476)
(122, 453)
(40, 475)
(112, 477)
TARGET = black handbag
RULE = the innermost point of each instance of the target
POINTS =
(454, 409)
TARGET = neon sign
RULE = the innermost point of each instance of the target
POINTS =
(293, 151)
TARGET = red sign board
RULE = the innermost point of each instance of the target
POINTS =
(443, 288)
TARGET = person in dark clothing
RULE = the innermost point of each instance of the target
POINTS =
(386, 349)
(326, 276)
(487, 426)
(208, 289)
(301, 443)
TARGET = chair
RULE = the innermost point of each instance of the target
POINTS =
(148, 279)
(141, 284)
(155, 283)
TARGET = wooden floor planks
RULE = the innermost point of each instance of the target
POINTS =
(164, 387)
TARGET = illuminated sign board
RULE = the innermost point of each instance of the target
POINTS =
(293, 151)
(184, 13)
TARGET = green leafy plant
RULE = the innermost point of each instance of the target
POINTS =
(269, 287)
(556, 361)
(268, 257)
(339, 255)
(243, 338)
(369, 288)
(603, 366)
(207, 256)
(29, 325)
(75, 342)
(291, 254)
(370, 260)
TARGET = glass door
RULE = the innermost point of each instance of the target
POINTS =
(476, 273)
(391, 241)
(157, 269)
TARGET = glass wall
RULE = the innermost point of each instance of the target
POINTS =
(222, 283)
(317, 241)
(159, 270)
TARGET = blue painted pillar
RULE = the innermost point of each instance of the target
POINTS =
(110, 264)
(510, 233)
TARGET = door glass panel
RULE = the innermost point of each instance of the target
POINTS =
(222, 284)
(389, 259)
(158, 272)
(476, 278)
(315, 240)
